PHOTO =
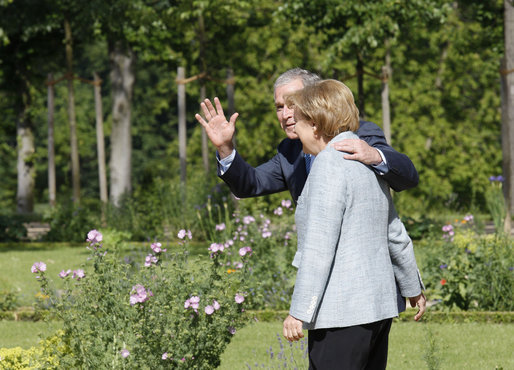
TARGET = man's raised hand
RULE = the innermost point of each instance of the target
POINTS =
(218, 129)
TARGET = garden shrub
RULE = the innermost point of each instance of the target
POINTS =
(43, 356)
(69, 222)
(169, 310)
(12, 228)
(470, 271)
(271, 239)
(8, 300)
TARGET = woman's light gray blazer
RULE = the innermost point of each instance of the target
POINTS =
(351, 246)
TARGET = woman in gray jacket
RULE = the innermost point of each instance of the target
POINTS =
(352, 248)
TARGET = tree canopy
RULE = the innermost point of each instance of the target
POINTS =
(444, 91)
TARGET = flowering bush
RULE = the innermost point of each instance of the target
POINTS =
(175, 311)
(469, 271)
(267, 246)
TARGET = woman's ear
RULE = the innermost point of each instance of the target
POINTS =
(314, 129)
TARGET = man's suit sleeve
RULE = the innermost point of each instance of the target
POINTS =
(246, 181)
(402, 174)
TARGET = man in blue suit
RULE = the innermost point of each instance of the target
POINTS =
(288, 169)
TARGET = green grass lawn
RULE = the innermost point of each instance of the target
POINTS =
(16, 260)
(458, 346)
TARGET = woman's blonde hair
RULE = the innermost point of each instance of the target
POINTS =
(329, 104)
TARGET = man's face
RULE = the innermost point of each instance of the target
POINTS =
(284, 114)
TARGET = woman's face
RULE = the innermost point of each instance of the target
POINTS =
(306, 131)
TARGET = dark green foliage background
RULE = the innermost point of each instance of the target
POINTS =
(444, 89)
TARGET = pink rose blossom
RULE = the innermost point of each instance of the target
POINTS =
(181, 234)
(216, 305)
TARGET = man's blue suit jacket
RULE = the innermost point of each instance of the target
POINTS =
(286, 170)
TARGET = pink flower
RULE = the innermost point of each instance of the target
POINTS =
(278, 211)
(266, 233)
(78, 274)
(38, 267)
(248, 220)
(216, 305)
(139, 294)
(187, 303)
(124, 353)
(157, 248)
(209, 310)
(231, 330)
(239, 298)
(286, 203)
(150, 260)
(63, 273)
(448, 228)
(94, 237)
(193, 302)
(245, 250)
(165, 356)
(220, 227)
(181, 234)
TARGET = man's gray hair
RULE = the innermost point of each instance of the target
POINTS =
(307, 77)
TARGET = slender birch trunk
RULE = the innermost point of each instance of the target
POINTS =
(122, 82)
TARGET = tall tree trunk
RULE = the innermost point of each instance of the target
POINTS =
(122, 82)
(508, 110)
(231, 101)
(203, 68)
(51, 146)
(205, 141)
(74, 147)
(360, 86)
(182, 138)
(386, 109)
(100, 145)
(25, 167)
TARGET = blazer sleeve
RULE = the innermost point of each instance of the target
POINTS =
(246, 181)
(323, 207)
(402, 174)
(401, 251)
